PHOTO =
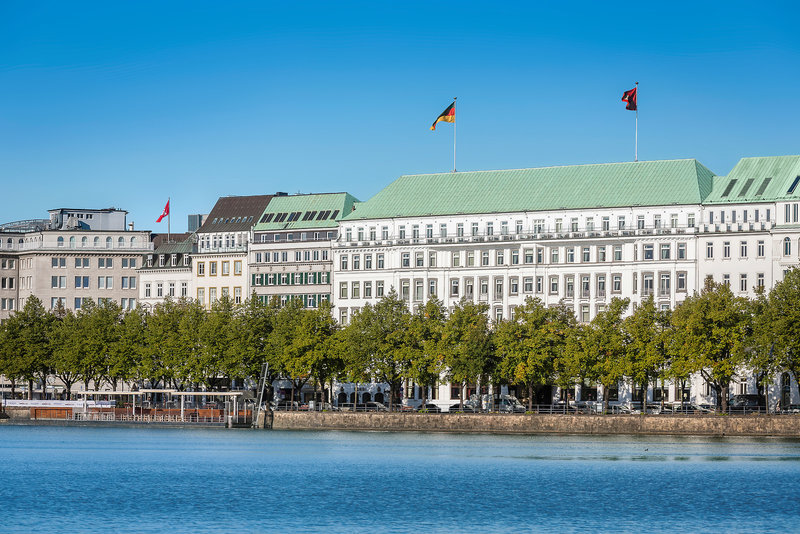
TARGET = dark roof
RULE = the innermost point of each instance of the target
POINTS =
(160, 240)
(178, 243)
(235, 214)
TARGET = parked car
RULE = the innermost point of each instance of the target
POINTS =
(429, 408)
(373, 407)
(462, 408)
(509, 404)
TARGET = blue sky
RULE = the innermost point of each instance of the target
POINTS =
(127, 103)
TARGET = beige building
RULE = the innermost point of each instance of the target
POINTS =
(220, 265)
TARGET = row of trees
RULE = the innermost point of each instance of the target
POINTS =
(181, 345)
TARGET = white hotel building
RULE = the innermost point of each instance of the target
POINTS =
(582, 234)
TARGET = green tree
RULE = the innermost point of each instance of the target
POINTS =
(129, 347)
(711, 331)
(376, 343)
(778, 327)
(425, 339)
(605, 347)
(529, 344)
(467, 344)
(27, 345)
(66, 345)
(646, 333)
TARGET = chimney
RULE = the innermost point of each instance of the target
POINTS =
(130, 226)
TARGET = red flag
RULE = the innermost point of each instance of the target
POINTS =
(630, 98)
(164, 213)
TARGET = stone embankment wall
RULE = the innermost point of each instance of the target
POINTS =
(717, 425)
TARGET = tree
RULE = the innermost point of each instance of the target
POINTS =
(605, 347)
(467, 344)
(710, 331)
(425, 338)
(130, 346)
(530, 344)
(210, 336)
(67, 350)
(646, 355)
(27, 344)
(779, 326)
(376, 341)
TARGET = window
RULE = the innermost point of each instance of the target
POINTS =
(172, 289)
(431, 288)
(484, 287)
(415, 231)
(442, 230)
(709, 250)
(500, 257)
(601, 285)
(454, 287)
(665, 251)
(60, 241)
(237, 267)
(356, 262)
(226, 268)
(690, 220)
(554, 255)
(527, 284)
(355, 290)
(573, 224)
(648, 251)
(640, 222)
(108, 242)
(147, 290)
(570, 255)
(616, 283)
(554, 285)
(518, 227)
(474, 229)
(528, 255)
(742, 282)
(585, 255)
(367, 261)
(498, 288)
(343, 262)
(419, 259)
(384, 232)
(760, 280)
(405, 259)
(606, 224)
(540, 284)
(342, 290)
(664, 287)
(185, 289)
(726, 279)
(456, 259)
(760, 249)
(787, 246)
(405, 289)
(726, 249)
(617, 252)
(431, 259)
(681, 281)
(621, 222)
(367, 290)
(743, 249)
(379, 288)
(485, 258)
(419, 288)
(513, 286)
(471, 259)
(489, 228)
(647, 284)
(380, 261)
(460, 230)
(673, 220)
(601, 253)
(681, 251)
(515, 257)
(212, 266)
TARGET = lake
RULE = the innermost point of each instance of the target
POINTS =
(98, 479)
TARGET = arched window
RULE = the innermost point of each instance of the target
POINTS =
(84, 241)
(9, 243)
(787, 246)
(108, 242)
(72, 242)
(133, 242)
(60, 241)
(120, 242)
(96, 241)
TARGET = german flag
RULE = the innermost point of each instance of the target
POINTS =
(448, 115)
(630, 98)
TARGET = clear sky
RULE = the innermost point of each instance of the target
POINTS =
(127, 103)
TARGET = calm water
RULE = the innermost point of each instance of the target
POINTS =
(81, 479)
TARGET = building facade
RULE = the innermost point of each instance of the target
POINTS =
(580, 235)
(290, 255)
(73, 256)
(220, 266)
(167, 270)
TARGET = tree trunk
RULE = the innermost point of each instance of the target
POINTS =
(530, 396)
(724, 391)
(606, 390)
(30, 389)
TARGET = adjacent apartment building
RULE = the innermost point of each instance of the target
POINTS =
(290, 256)
(220, 266)
(74, 255)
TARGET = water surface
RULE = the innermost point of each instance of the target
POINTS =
(90, 479)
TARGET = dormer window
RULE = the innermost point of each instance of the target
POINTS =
(149, 261)
(161, 260)
(174, 260)
(185, 260)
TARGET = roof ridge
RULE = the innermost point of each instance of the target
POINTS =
(552, 167)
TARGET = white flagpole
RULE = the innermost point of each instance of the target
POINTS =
(169, 212)
(636, 143)
(455, 117)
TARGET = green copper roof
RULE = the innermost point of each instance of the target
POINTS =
(644, 183)
(322, 210)
(758, 179)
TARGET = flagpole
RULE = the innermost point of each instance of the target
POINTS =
(636, 142)
(169, 211)
(455, 118)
